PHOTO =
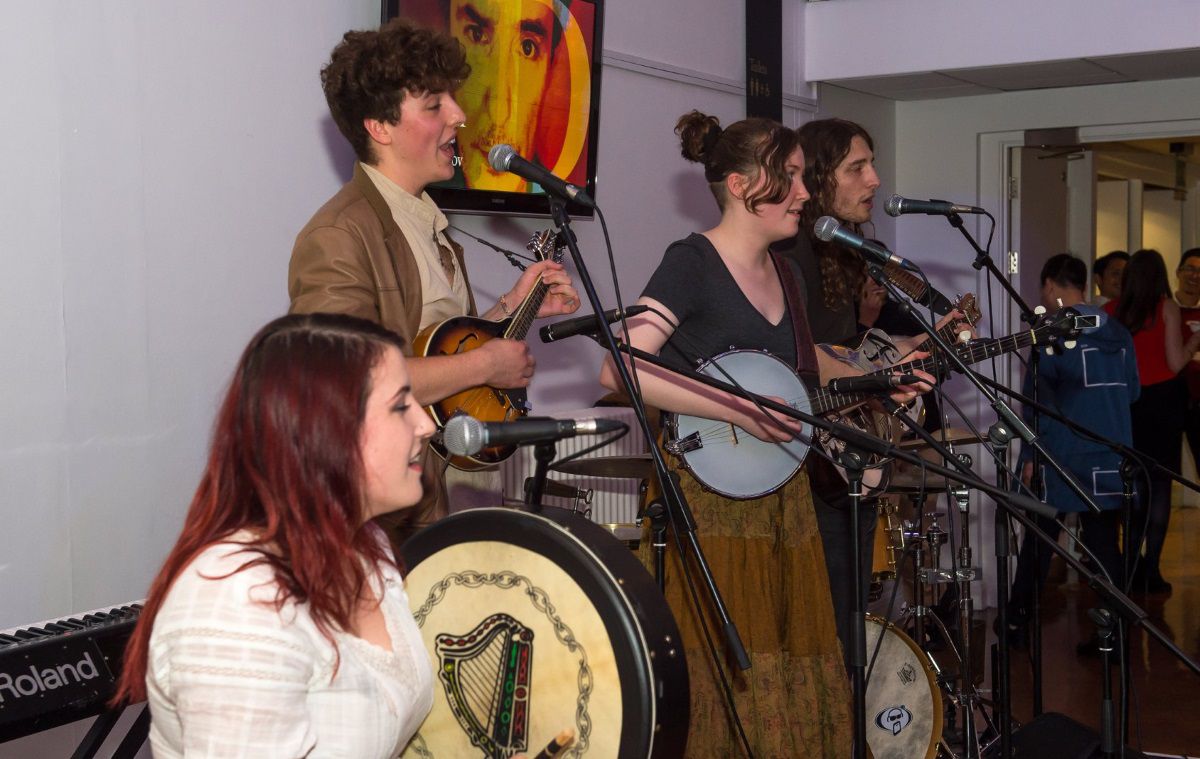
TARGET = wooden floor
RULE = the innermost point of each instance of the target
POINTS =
(1166, 696)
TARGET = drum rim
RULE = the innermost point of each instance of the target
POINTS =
(635, 668)
(934, 689)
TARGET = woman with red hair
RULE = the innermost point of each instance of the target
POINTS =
(279, 625)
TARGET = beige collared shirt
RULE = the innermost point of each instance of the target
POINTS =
(423, 224)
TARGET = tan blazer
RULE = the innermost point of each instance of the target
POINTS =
(352, 258)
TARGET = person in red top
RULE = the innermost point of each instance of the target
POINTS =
(1188, 298)
(1148, 312)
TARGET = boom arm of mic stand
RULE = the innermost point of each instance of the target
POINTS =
(983, 260)
(1116, 600)
(1076, 427)
(1002, 409)
(681, 515)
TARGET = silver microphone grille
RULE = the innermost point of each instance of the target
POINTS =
(463, 435)
(500, 156)
(894, 206)
(826, 227)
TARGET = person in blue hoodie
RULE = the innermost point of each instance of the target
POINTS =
(1093, 383)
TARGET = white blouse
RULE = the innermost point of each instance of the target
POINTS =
(229, 676)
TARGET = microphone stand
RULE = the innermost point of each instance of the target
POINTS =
(852, 461)
(983, 260)
(1131, 459)
(1000, 433)
(856, 441)
(543, 454)
(678, 509)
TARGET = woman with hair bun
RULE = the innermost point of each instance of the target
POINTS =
(278, 624)
(714, 291)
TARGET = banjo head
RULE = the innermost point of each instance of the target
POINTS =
(537, 623)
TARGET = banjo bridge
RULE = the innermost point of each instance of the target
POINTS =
(685, 444)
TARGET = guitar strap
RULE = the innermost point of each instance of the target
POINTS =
(806, 353)
(824, 480)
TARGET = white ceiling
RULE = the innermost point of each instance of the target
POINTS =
(926, 85)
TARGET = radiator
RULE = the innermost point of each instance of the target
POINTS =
(614, 500)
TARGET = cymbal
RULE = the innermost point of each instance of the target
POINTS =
(634, 467)
(954, 435)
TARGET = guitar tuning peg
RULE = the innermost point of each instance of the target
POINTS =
(1050, 350)
(1039, 310)
(1059, 301)
(1069, 344)
(964, 336)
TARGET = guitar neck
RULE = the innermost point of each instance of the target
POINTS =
(525, 313)
(825, 400)
(907, 282)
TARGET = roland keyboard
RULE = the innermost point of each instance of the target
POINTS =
(62, 670)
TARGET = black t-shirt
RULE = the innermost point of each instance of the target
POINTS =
(714, 315)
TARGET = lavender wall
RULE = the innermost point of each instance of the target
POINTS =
(159, 159)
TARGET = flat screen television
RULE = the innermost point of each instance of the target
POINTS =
(534, 84)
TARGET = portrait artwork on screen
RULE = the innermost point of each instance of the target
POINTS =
(532, 85)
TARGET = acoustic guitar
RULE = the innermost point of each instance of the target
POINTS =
(464, 333)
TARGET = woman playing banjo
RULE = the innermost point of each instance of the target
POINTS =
(714, 291)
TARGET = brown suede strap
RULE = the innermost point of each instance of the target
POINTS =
(806, 352)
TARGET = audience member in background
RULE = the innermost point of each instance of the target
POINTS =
(1095, 381)
(1188, 298)
(1152, 316)
(1107, 273)
(278, 624)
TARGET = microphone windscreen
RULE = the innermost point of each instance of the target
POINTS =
(825, 228)
(463, 435)
(500, 156)
(894, 206)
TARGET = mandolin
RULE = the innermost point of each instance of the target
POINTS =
(464, 333)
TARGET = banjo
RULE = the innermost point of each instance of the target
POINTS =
(727, 460)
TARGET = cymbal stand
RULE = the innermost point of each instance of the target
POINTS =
(966, 695)
(999, 437)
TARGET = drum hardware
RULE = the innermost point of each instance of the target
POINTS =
(946, 436)
(581, 499)
(635, 467)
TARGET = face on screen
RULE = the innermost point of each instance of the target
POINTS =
(509, 46)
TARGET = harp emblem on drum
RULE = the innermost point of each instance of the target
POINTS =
(486, 675)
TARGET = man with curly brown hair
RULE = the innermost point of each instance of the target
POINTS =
(378, 248)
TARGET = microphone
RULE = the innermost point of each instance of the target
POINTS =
(871, 383)
(465, 435)
(582, 325)
(830, 229)
(898, 206)
(505, 158)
